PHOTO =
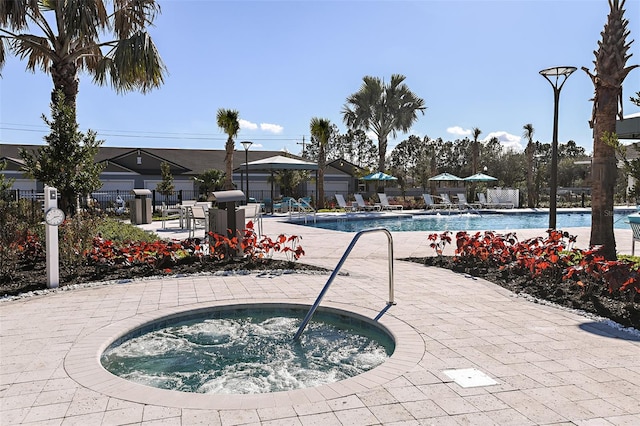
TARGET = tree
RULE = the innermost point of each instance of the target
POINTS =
(321, 131)
(530, 152)
(209, 181)
(166, 186)
(383, 109)
(5, 183)
(67, 42)
(67, 161)
(227, 120)
(475, 158)
(610, 72)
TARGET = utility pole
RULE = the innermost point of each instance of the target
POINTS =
(303, 143)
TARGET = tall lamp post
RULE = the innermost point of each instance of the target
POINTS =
(246, 145)
(556, 76)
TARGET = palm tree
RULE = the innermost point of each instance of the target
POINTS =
(320, 129)
(610, 72)
(475, 158)
(68, 42)
(382, 109)
(529, 153)
(227, 120)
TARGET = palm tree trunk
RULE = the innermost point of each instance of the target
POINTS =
(65, 79)
(530, 184)
(228, 161)
(604, 172)
(382, 152)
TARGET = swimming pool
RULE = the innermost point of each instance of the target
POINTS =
(467, 222)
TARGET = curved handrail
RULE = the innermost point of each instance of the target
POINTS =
(307, 318)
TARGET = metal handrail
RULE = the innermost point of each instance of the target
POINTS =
(337, 269)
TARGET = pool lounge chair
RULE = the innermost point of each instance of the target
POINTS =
(635, 230)
(384, 201)
(446, 201)
(464, 204)
(344, 205)
(431, 204)
(364, 206)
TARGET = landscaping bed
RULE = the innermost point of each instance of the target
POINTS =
(546, 269)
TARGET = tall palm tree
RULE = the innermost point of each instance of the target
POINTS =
(529, 153)
(227, 120)
(67, 41)
(320, 129)
(610, 72)
(475, 158)
(382, 109)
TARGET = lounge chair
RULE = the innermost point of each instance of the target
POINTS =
(384, 202)
(364, 206)
(635, 229)
(431, 204)
(446, 201)
(463, 203)
(343, 204)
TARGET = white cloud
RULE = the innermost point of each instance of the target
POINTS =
(459, 131)
(247, 125)
(273, 128)
(506, 139)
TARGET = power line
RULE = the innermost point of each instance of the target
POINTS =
(139, 134)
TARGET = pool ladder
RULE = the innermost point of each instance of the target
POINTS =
(337, 269)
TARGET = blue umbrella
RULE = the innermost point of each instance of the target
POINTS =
(379, 176)
(443, 177)
(479, 177)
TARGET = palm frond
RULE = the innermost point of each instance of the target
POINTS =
(131, 16)
(137, 64)
(36, 50)
(14, 14)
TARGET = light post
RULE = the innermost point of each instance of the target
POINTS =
(556, 76)
(246, 145)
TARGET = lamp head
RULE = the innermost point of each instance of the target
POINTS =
(246, 144)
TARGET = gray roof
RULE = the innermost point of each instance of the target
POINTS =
(182, 161)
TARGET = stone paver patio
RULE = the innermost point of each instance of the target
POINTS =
(551, 366)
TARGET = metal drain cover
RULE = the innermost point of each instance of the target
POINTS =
(470, 377)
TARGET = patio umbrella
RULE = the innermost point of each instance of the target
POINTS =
(379, 176)
(480, 177)
(443, 177)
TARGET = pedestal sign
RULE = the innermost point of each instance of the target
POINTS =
(53, 217)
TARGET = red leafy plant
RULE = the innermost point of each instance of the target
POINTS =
(217, 248)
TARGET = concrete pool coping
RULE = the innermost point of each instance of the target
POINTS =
(552, 365)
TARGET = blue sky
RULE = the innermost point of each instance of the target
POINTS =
(281, 63)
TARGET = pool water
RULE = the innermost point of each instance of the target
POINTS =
(249, 352)
(465, 221)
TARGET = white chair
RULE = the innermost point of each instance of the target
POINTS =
(384, 201)
(635, 229)
(364, 206)
(344, 205)
(197, 217)
(463, 203)
(253, 212)
(446, 201)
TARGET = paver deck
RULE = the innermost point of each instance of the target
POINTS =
(552, 366)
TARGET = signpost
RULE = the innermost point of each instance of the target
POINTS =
(53, 218)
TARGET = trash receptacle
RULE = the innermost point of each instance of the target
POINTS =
(141, 206)
(226, 217)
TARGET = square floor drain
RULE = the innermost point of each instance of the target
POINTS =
(470, 377)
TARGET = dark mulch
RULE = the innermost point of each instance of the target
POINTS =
(29, 276)
(623, 309)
